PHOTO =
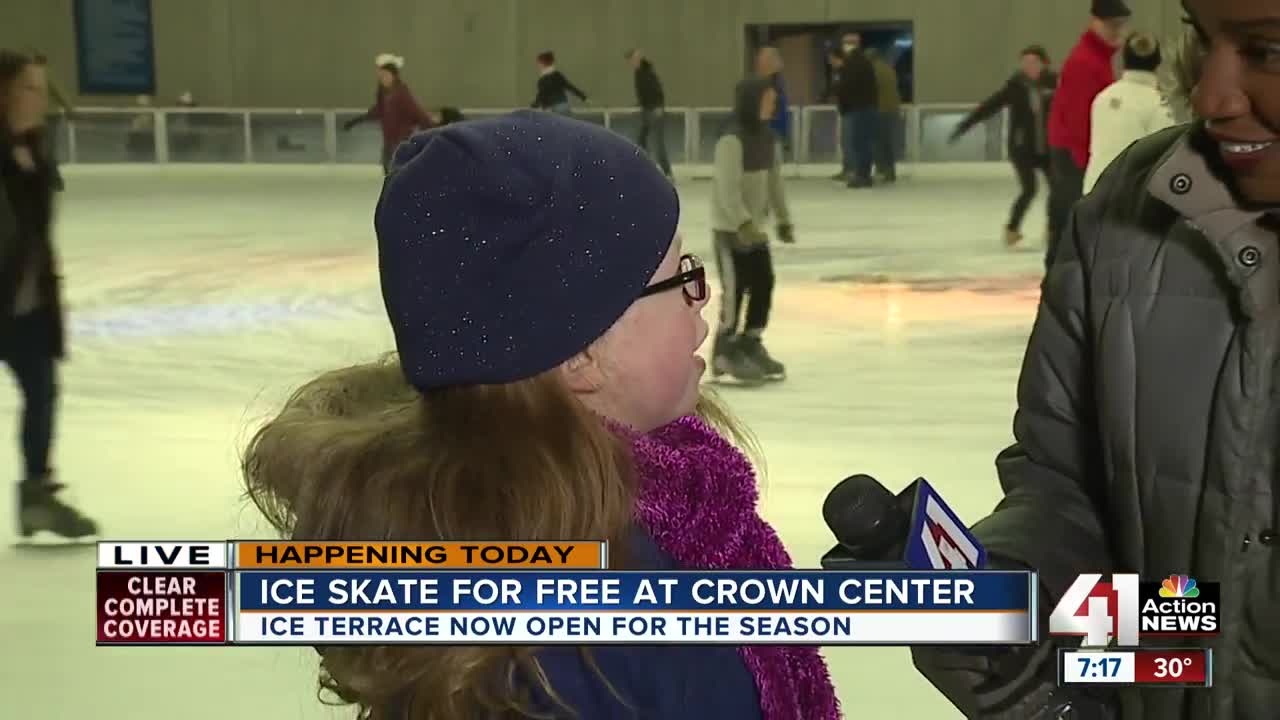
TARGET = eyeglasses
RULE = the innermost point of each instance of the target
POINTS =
(692, 281)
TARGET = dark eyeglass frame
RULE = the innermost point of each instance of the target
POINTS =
(692, 272)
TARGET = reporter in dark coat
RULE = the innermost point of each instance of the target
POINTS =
(1149, 402)
(31, 322)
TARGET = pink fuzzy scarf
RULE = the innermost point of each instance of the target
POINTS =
(698, 499)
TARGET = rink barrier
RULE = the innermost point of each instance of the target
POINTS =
(312, 136)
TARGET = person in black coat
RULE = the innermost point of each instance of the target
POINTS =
(652, 102)
(858, 100)
(553, 86)
(31, 318)
(1028, 95)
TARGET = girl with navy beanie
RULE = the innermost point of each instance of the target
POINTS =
(545, 387)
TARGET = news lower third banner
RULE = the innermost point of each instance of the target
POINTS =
(529, 593)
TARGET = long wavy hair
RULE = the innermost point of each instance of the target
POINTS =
(357, 454)
(12, 65)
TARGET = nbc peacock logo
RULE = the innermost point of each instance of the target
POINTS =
(1179, 586)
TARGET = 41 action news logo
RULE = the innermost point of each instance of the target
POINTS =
(1126, 608)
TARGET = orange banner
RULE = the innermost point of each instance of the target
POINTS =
(499, 555)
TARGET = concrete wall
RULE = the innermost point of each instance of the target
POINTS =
(479, 53)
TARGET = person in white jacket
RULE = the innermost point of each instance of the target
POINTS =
(1130, 109)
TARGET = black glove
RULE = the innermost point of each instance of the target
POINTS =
(346, 126)
(787, 233)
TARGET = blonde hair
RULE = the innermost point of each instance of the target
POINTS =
(357, 454)
(1184, 71)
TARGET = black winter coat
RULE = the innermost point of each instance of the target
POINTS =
(1149, 415)
(1029, 102)
(25, 232)
(649, 95)
(857, 89)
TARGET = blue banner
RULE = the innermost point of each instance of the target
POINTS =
(596, 590)
(115, 47)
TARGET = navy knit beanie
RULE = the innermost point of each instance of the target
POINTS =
(508, 245)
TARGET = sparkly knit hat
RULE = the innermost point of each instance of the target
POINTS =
(508, 245)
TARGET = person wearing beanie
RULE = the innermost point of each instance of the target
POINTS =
(393, 106)
(553, 86)
(1130, 109)
(652, 101)
(746, 189)
(545, 386)
(1028, 95)
(1086, 73)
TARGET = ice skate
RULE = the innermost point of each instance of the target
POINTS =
(41, 513)
(730, 365)
(1012, 237)
(753, 348)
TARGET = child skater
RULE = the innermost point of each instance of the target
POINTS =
(394, 107)
(746, 188)
(546, 387)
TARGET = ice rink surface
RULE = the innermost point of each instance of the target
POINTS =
(202, 295)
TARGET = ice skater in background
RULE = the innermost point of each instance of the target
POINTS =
(769, 66)
(553, 86)
(889, 117)
(746, 188)
(652, 101)
(1130, 109)
(1028, 95)
(394, 107)
(1086, 72)
(31, 320)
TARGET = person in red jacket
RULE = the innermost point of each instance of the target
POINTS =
(1087, 72)
(394, 106)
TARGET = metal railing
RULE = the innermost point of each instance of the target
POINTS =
(314, 136)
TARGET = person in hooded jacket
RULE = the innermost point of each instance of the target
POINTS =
(1132, 108)
(394, 107)
(1149, 401)
(746, 190)
(1028, 95)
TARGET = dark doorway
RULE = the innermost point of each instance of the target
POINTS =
(805, 46)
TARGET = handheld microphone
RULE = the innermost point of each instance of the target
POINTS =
(914, 530)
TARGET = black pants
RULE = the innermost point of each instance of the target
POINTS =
(1066, 187)
(886, 143)
(858, 141)
(744, 274)
(27, 350)
(1026, 166)
(655, 119)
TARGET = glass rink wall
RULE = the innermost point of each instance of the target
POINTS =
(313, 136)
